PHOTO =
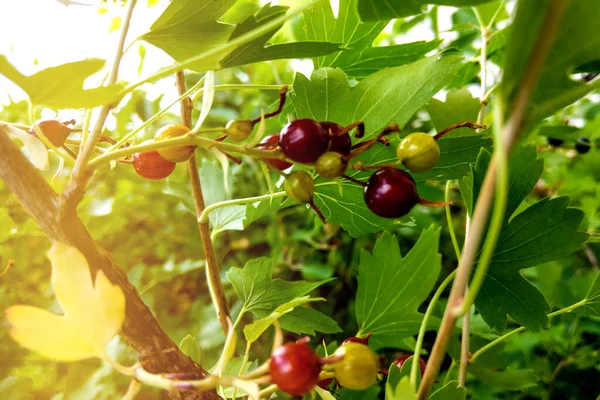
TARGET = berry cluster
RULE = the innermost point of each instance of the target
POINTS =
(582, 146)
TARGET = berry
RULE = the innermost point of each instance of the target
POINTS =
(325, 383)
(299, 187)
(303, 140)
(151, 165)
(239, 129)
(555, 142)
(583, 145)
(175, 153)
(402, 359)
(391, 193)
(331, 165)
(354, 339)
(295, 368)
(338, 143)
(359, 367)
(54, 130)
(270, 143)
(418, 152)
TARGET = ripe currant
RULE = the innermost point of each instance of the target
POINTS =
(338, 143)
(151, 165)
(331, 164)
(583, 145)
(392, 193)
(270, 143)
(303, 140)
(418, 152)
(354, 339)
(299, 186)
(56, 132)
(295, 368)
(175, 153)
(358, 368)
(555, 142)
(399, 362)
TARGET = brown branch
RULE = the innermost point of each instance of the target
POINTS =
(212, 267)
(156, 351)
(510, 134)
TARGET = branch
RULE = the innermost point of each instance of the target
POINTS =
(212, 267)
(157, 352)
(510, 134)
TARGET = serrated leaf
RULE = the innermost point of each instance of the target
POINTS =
(507, 379)
(460, 105)
(187, 28)
(253, 331)
(555, 89)
(592, 299)
(395, 374)
(371, 393)
(374, 10)
(404, 390)
(544, 232)
(93, 314)
(62, 86)
(261, 295)
(391, 287)
(450, 391)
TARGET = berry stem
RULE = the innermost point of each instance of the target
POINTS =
(208, 209)
(364, 146)
(213, 276)
(318, 212)
(360, 129)
(282, 96)
(430, 203)
(464, 124)
(351, 179)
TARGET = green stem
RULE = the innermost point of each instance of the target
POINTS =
(497, 221)
(222, 49)
(449, 373)
(415, 365)
(502, 338)
(241, 86)
(204, 216)
(156, 116)
(449, 219)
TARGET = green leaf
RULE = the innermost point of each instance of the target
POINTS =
(391, 287)
(592, 300)
(460, 105)
(507, 379)
(371, 393)
(374, 10)
(190, 346)
(555, 89)
(404, 390)
(395, 374)
(261, 295)
(186, 29)
(450, 391)
(544, 232)
(254, 330)
(564, 132)
(62, 86)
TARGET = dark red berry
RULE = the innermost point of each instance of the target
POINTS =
(555, 142)
(325, 383)
(391, 193)
(270, 143)
(338, 143)
(295, 368)
(151, 165)
(583, 145)
(303, 140)
(402, 359)
(354, 339)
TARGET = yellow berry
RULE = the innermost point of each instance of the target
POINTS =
(418, 152)
(358, 368)
(175, 153)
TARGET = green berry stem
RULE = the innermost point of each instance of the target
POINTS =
(204, 217)
(464, 124)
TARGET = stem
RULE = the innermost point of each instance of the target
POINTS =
(511, 133)
(220, 49)
(132, 390)
(502, 338)
(87, 148)
(464, 347)
(208, 209)
(449, 219)
(212, 268)
(483, 63)
(241, 86)
(449, 372)
(419, 344)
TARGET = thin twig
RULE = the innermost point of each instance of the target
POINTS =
(8, 267)
(511, 133)
(212, 268)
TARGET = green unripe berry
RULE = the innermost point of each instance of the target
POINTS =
(331, 165)
(239, 129)
(358, 368)
(418, 152)
(299, 187)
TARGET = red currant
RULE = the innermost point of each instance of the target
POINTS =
(56, 132)
(295, 368)
(151, 165)
(391, 193)
(354, 339)
(338, 143)
(303, 140)
(270, 143)
(402, 359)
